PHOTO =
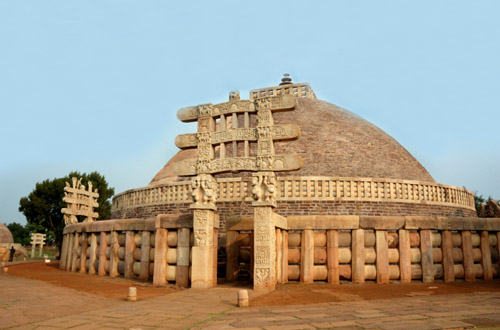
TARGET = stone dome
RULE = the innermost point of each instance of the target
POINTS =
(5, 234)
(333, 142)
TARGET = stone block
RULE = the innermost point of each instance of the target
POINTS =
(323, 222)
(128, 224)
(381, 222)
(174, 221)
(103, 225)
(492, 224)
(425, 222)
(202, 267)
(457, 223)
(239, 223)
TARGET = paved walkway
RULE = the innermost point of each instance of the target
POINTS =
(29, 304)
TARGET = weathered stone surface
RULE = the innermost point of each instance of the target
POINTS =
(381, 222)
(323, 222)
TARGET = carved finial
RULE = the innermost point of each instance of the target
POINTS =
(234, 95)
(286, 80)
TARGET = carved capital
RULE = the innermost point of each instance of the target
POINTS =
(204, 192)
(264, 189)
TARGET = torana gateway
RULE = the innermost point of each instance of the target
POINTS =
(285, 187)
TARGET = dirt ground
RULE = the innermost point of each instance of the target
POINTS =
(116, 288)
(296, 293)
(289, 294)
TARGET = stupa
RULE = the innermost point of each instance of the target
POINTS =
(285, 187)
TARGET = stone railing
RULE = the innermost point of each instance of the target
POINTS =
(308, 189)
(302, 90)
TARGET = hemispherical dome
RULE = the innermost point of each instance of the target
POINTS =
(333, 142)
(5, 234)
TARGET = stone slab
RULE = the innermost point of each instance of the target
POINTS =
(323, 222)
(239, 223)
(174, 221)
(381, 222)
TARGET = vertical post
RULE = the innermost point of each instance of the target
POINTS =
(284, 260)
(76, 245)
(332, 255)
(32, 248)
(83, 256)
(252, 255)
(113, 255)
(92, 252)
(232, 253)
(103, 245)
(69, 255)
(41, 244)
(382, 259)
(64, 252)
(129, 254)
(161, 247)
(448, 263)
(404, 256)
(145, 251)
(358, 256)
(307, 256)
(470, 276)
(264, 249)
(203, 254)
(279, 255)
(486, 256)
(216, 246)
(182, 268)
(427, 256)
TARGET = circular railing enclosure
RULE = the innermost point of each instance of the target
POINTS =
(308, 189)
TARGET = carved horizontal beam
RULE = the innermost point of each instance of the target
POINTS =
(278, 132)
(266, 163)
(273, 103)
(85, 213)
(79, 201)
(81, 192)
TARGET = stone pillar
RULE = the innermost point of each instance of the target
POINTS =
(145, 250)
(404, 256)
(76, 245)
(69, 255)
(160, 264)
(92, 253)
(382, 259)
(64, 252)
(113, 255)
(332, 253)
(358, 255)
(284, 260)
(232, 253)
(264, 249)
(470, 276)
(129, 254)
(203, 254)
(427, 256)
(83, 255)
(486, 256)
(448, 263)
(103, 245)
(307, 256)
(182, 268)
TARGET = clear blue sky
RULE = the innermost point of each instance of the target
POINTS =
(95, 85)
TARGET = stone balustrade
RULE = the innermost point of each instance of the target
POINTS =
(307, 189)
(372, 248)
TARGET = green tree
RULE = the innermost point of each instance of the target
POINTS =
(19, 232)
(42, 207)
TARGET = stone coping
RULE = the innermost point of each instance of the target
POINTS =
(349, 222)
(308, 188)
(168, 221)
